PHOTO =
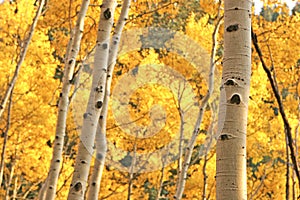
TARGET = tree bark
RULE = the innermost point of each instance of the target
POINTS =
(95, 103)
(231, 177)
(49, 188)
(101, 145)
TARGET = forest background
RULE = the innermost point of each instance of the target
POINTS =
(28, 123)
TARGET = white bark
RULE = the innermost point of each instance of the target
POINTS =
(48, 191)
(101, 145)
(95, 103)
(231, 175)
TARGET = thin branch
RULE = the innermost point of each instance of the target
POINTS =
(296, 138)
(152, 11)
(263, 177)
(287, 183)
(23, 52)
(161, 180)
(3, 154)
(287, 126)
(189, 149)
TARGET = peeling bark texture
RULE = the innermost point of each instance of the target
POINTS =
(231, 177)
(90, 124)
(71, 53)
(23, 52)
(101, 145)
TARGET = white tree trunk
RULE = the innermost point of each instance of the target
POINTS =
(101, 145)
(231, 178)
(49, 189)
(95, 103)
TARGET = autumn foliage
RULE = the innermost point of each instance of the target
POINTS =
(28, 124)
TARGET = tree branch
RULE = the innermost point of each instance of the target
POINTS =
(287, 126)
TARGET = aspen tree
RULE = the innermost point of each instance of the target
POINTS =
(101, 145)
(11, 85)
(49, 189)
(95, 103)
(231, 177)
(24, 49)
(5, 141)
(182, 175)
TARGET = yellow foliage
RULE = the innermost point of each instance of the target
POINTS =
(33, 117)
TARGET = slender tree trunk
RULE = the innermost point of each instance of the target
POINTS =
(206, 158)
(287, 126)
(180, 185)
(3, 153)
(101, 145)
(49, 189)
(287, 180)
(231, 177)
(10, 178)
(161, 180)
(294, 180)
(131, 175)
(15, 191)
(95, 103)
(24, 48)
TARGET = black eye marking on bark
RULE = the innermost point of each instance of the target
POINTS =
(99, 156)
(232, 28)
(235, 99)
(224, 137)
(98, 104)
(85, 115)
(107, 14)
(99, 89)
(104, 46)
(78, 187)
(230, 82)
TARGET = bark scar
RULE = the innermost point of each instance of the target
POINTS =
(232, 28)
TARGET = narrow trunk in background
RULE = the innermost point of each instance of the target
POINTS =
(182, 174)
(5, 139)
(24, 48)
(231, 177)
(48, 191)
